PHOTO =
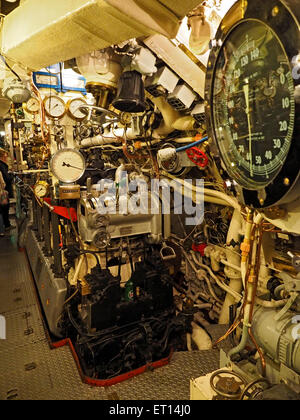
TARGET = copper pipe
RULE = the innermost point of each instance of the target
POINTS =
(259, 247)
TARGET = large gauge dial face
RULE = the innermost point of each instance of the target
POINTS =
(68, 165)
(253, 104)
(55, 107)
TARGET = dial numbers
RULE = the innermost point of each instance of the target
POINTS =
(253, 100)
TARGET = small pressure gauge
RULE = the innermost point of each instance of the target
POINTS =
(67, 165)
(32, 106)
(73, 109)
(41, 189)
(55, 107)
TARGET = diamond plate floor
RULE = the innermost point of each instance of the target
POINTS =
(30, 370)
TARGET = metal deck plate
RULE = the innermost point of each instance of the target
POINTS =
(171, 382)
(23, 327)
(16, 288)
(30, 370)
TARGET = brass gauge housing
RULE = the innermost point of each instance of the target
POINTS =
(55, 107)
(41, 189)
(73, 109)
(32, 106)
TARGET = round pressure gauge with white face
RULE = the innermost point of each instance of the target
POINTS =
(73, 109)
(32, 106)
(67, 165)
(41, 189)
(55, 107)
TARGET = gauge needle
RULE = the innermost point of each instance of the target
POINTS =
(70, 166)
(246, 93)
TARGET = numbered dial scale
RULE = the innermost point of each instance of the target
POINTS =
(55, 107)
(67, 165)
(250, 96)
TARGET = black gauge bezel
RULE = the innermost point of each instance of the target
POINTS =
(283, 18)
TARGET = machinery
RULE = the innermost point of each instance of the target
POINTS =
(115, 148)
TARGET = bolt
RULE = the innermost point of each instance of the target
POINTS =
(275, 11)
(286, 182)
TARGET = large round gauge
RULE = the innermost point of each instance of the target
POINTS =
(251, 102)
(73, 109)
(67, 165)
(55, 107)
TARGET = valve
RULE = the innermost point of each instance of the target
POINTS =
(198, 157)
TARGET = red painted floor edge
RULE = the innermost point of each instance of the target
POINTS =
(117, 379)
(67, 341)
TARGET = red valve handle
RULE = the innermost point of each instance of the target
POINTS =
(198, 157)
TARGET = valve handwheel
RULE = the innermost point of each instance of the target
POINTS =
(198, 157)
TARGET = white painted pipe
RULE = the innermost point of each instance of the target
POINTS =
(73, 281)
(233, 258)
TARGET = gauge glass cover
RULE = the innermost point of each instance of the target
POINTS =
(74, 108)
(55, 107)
(68, 165)
(253, 104)
(33, 105)
(41, 189)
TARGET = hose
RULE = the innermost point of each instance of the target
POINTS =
(228, 264)
(208, 194)
(189, 146)
(271, 304)
(222, 285)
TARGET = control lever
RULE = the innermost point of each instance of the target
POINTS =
(99, 115)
